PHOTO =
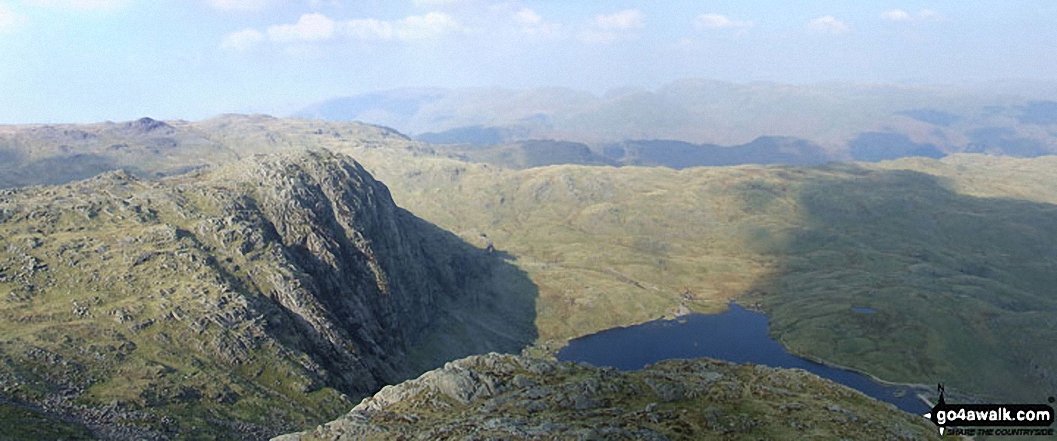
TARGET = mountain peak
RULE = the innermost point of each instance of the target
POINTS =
(147, 125)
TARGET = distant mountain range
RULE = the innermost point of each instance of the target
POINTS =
(866, 122)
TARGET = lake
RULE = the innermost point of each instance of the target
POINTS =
(737, 335)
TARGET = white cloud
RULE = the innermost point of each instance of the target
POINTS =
(626, 19)
(896, 15)
(828, 24)
(419, 27)
(242, 40)
(901, 15)
(415, 27)
(10, 21)
(534, 24)
(316, 27)
(81, 4)
(311, 27)
(719, 21)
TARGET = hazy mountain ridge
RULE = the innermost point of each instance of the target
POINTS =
(509, 397)
(721, 113)
(236, 303)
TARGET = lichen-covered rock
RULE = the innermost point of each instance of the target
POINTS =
(514, 397)
(257, 296)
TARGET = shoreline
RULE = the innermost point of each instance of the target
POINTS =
(924, 393)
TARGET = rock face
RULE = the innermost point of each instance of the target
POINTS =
(355, 275)
(241, 302)
(510, 397)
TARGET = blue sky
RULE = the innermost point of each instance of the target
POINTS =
(94, 60)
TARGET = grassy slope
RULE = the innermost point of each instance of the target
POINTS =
(961, 268)
(958, 265)
(954, 254)
(21, 423)
(146, 301)
(108, 321)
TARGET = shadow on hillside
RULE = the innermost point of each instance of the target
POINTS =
(962, 286)
(469, 301)
(493, 309)
(53, 170)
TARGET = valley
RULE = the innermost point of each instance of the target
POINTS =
(954, 256)
(531, 220)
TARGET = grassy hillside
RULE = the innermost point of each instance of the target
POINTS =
(59, 153)
(955, 255)
(958, 265)
(528, 154)
(665, 153)
(241, 302)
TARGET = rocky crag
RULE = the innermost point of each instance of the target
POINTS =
(241, 302)
(511, 397)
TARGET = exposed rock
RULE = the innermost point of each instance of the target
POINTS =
(496, 397)
(147, 125)
(260, 296)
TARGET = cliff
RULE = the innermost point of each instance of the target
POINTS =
(243, 301)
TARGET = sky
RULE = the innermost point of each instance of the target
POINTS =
(96, 60)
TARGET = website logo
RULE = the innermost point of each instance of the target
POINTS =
(992, 419)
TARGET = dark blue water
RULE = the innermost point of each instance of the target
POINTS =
(738, 335)
(863, 309)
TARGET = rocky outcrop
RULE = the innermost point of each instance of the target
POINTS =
(259, 297)
(146, 125)
(356, 271)
(512, 397)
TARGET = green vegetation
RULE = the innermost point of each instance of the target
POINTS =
(231, 303)
(109, 305)
(20, 423)
(956, 256)
(507, 397)
(528, 154)
(958, 264)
